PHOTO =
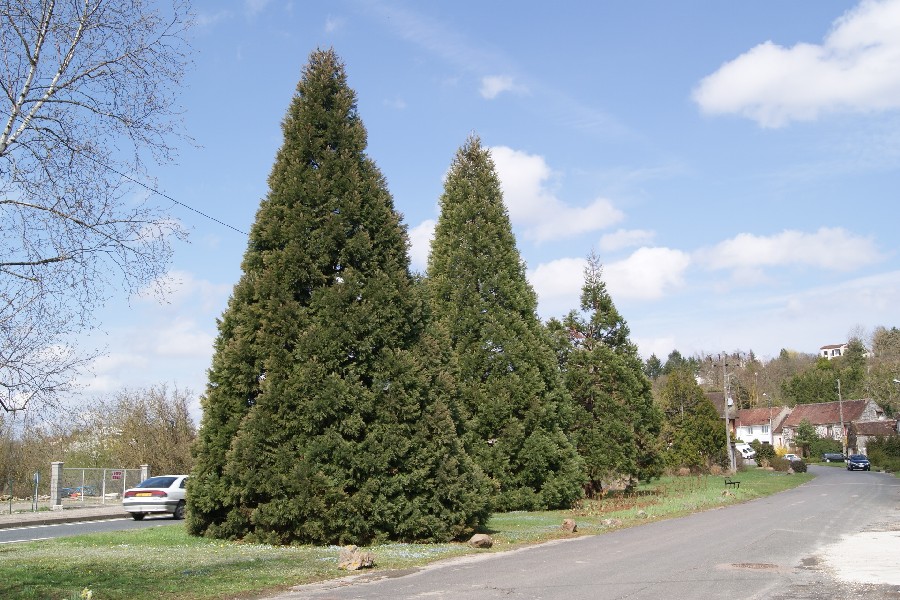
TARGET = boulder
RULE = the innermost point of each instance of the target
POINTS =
(352, 558)
(570, 526)
(481, 540)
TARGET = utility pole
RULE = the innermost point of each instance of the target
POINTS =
(843, 431)
(727, 427)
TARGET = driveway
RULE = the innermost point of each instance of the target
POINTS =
(837, 536)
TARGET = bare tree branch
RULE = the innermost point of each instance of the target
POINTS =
(82, 81)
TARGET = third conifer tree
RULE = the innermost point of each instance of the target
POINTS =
(616, 426)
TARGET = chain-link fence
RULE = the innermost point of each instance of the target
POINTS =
(96, 486)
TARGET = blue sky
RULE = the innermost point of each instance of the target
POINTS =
(736, 166)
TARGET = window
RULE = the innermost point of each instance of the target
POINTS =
(765, 429)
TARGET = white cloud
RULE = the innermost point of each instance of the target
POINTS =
(183, 338)
(625, 238)
(558, 279)
(533, 206)
(181, 287)
(109, 372)
(828, 248)
(648, 274)
(494, 85)
(420, 238)
(855, 69)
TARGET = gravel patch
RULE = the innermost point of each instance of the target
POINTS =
(866, 557)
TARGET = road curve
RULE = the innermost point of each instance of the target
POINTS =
(786, 546)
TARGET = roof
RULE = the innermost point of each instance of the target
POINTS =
(760, 416)
(832, 346)
(718, 400)
(827, 413)
(886, 427)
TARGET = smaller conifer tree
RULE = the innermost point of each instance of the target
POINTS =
(617, 424)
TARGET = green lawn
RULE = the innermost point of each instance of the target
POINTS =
(165, 562)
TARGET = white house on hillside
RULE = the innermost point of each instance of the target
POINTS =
(833, 350)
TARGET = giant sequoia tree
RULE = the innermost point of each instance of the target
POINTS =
(617, 426)
(321, 420)
(513, 402)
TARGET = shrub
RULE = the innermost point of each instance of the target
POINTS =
(763, 451)
(884, 452)
(821, 446)
(799, 466)
(780, 464)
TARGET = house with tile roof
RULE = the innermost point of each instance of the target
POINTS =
(859, 434)
(761, 424)
(830, 351)
(830, 419)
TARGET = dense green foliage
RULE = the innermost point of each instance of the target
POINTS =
(819, 384)
(884, 453)
(617, 425)
(322, 421)
(764, 452)
(653, 367)
(804, 436)
(819, 446)
(693, 433)
(514, 406)
(799, 466)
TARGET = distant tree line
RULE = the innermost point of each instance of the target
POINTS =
(868, 369)
(125, 430)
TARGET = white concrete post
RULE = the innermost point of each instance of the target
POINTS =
(56, 485)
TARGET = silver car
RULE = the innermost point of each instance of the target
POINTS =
(163, 494)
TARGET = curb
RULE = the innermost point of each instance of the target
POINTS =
(26, 521)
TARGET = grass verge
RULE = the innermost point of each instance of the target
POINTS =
(165, 562)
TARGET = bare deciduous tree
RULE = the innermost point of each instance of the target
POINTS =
(89, 88)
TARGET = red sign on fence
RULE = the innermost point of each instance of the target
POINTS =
(117, 475)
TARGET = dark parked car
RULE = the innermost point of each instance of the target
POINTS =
(833, 457)
(858, 462)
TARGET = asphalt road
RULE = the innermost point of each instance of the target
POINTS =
(776, 548)
(31, 533)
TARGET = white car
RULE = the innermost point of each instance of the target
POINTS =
(791, 457)
(163, 494)
(746, 451)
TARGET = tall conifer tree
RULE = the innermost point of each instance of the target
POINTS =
(513, 403)
(617, 425)
(319, 423)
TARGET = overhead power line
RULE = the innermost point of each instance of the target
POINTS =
(164, 195)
